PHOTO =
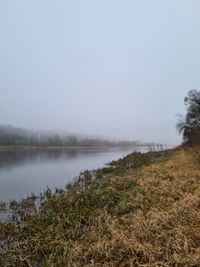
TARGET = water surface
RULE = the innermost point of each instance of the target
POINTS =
(26, 171)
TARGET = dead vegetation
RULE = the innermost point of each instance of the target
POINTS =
(144, 210)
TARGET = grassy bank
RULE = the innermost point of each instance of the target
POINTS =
(143, 210)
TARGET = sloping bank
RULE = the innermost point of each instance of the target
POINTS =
(143, 210)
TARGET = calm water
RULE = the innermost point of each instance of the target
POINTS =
(26, 171)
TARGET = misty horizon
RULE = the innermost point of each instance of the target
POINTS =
(110, 69)
(16, 133)
(111, 137)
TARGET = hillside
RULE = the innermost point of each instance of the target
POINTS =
(143, 210)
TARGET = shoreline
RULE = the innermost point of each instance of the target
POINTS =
(138, 210)
(35, 147)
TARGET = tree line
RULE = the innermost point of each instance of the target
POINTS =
(10, 135)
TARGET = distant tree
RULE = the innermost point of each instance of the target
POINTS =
(72, 140)
(189, 125)
(56, 140)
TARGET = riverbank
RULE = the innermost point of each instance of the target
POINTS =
(143, 210)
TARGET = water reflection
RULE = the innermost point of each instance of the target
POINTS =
(26, 171)
(12, 158)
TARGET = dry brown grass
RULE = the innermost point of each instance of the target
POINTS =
(152, 221)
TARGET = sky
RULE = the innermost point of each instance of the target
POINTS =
(111, 68)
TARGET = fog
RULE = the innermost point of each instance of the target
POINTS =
(116, 69)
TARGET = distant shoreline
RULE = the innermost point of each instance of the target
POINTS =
(26, 147)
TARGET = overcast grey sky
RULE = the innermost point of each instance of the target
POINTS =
(104, 67)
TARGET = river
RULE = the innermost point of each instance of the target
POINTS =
(25, 171)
